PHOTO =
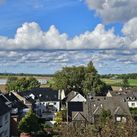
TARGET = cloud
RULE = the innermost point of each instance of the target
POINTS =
(30, 36)
(50, 61)
(114, 10)
(130, 32)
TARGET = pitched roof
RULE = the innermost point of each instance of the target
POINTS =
(3, 107)
(115, 104)
(16, 103)
(42, 94)
(71, 95)
(127, 94)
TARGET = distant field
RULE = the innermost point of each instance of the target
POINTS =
(117, 82)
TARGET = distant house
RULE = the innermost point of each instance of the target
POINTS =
(46, 101)
(4, 119)
(116, 105)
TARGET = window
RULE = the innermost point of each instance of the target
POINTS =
(124, 119)
(118, 119)
(132, 104)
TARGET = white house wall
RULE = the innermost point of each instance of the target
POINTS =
(78, 98)
(42, 105)
(132, 104)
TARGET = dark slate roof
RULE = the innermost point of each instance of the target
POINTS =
(16, 103)
(3, 107)
(126, 94)
(41, 94)
(71, 95)
(117, 105)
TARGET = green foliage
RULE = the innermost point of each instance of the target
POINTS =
(133, 112)
(125, 83)
(82, 79)
(58, 117)
(21, 84)
(29, 123)
(70, 78)
(104, 116)
(110, 129)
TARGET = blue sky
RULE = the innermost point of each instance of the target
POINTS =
(42, 36)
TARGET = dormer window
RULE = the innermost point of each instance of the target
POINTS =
(127, 98)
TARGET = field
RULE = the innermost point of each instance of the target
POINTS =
(117, 82)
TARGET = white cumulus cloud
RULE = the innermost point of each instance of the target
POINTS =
(114, 10)
(130, 32)
(30, 36)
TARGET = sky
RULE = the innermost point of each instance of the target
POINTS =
(42, 36)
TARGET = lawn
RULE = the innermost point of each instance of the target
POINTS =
(117, 82)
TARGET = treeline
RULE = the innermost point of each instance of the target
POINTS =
(25, 74)
(120, 76)
(21, 84)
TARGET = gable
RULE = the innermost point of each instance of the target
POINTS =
(78, 98)
(109, 94)
(32, 96)
(78, 116)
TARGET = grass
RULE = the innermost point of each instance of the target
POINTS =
(118, 82)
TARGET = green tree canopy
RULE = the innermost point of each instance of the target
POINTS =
(83, 79)
(21, 84)
(29, 123)
(125, 83)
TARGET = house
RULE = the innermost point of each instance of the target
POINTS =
(46, 101)
(17, 107)
(117, 106)
(130, 96)
(74, 102)
(17, 111)
(4, 119)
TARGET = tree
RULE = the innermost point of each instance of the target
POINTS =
(125, 83)
(104, 116)
(11, 83)
(58, 117)
(70, 78)
(21, 84)
(29, 123)
(82, 79)
(92, 82)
